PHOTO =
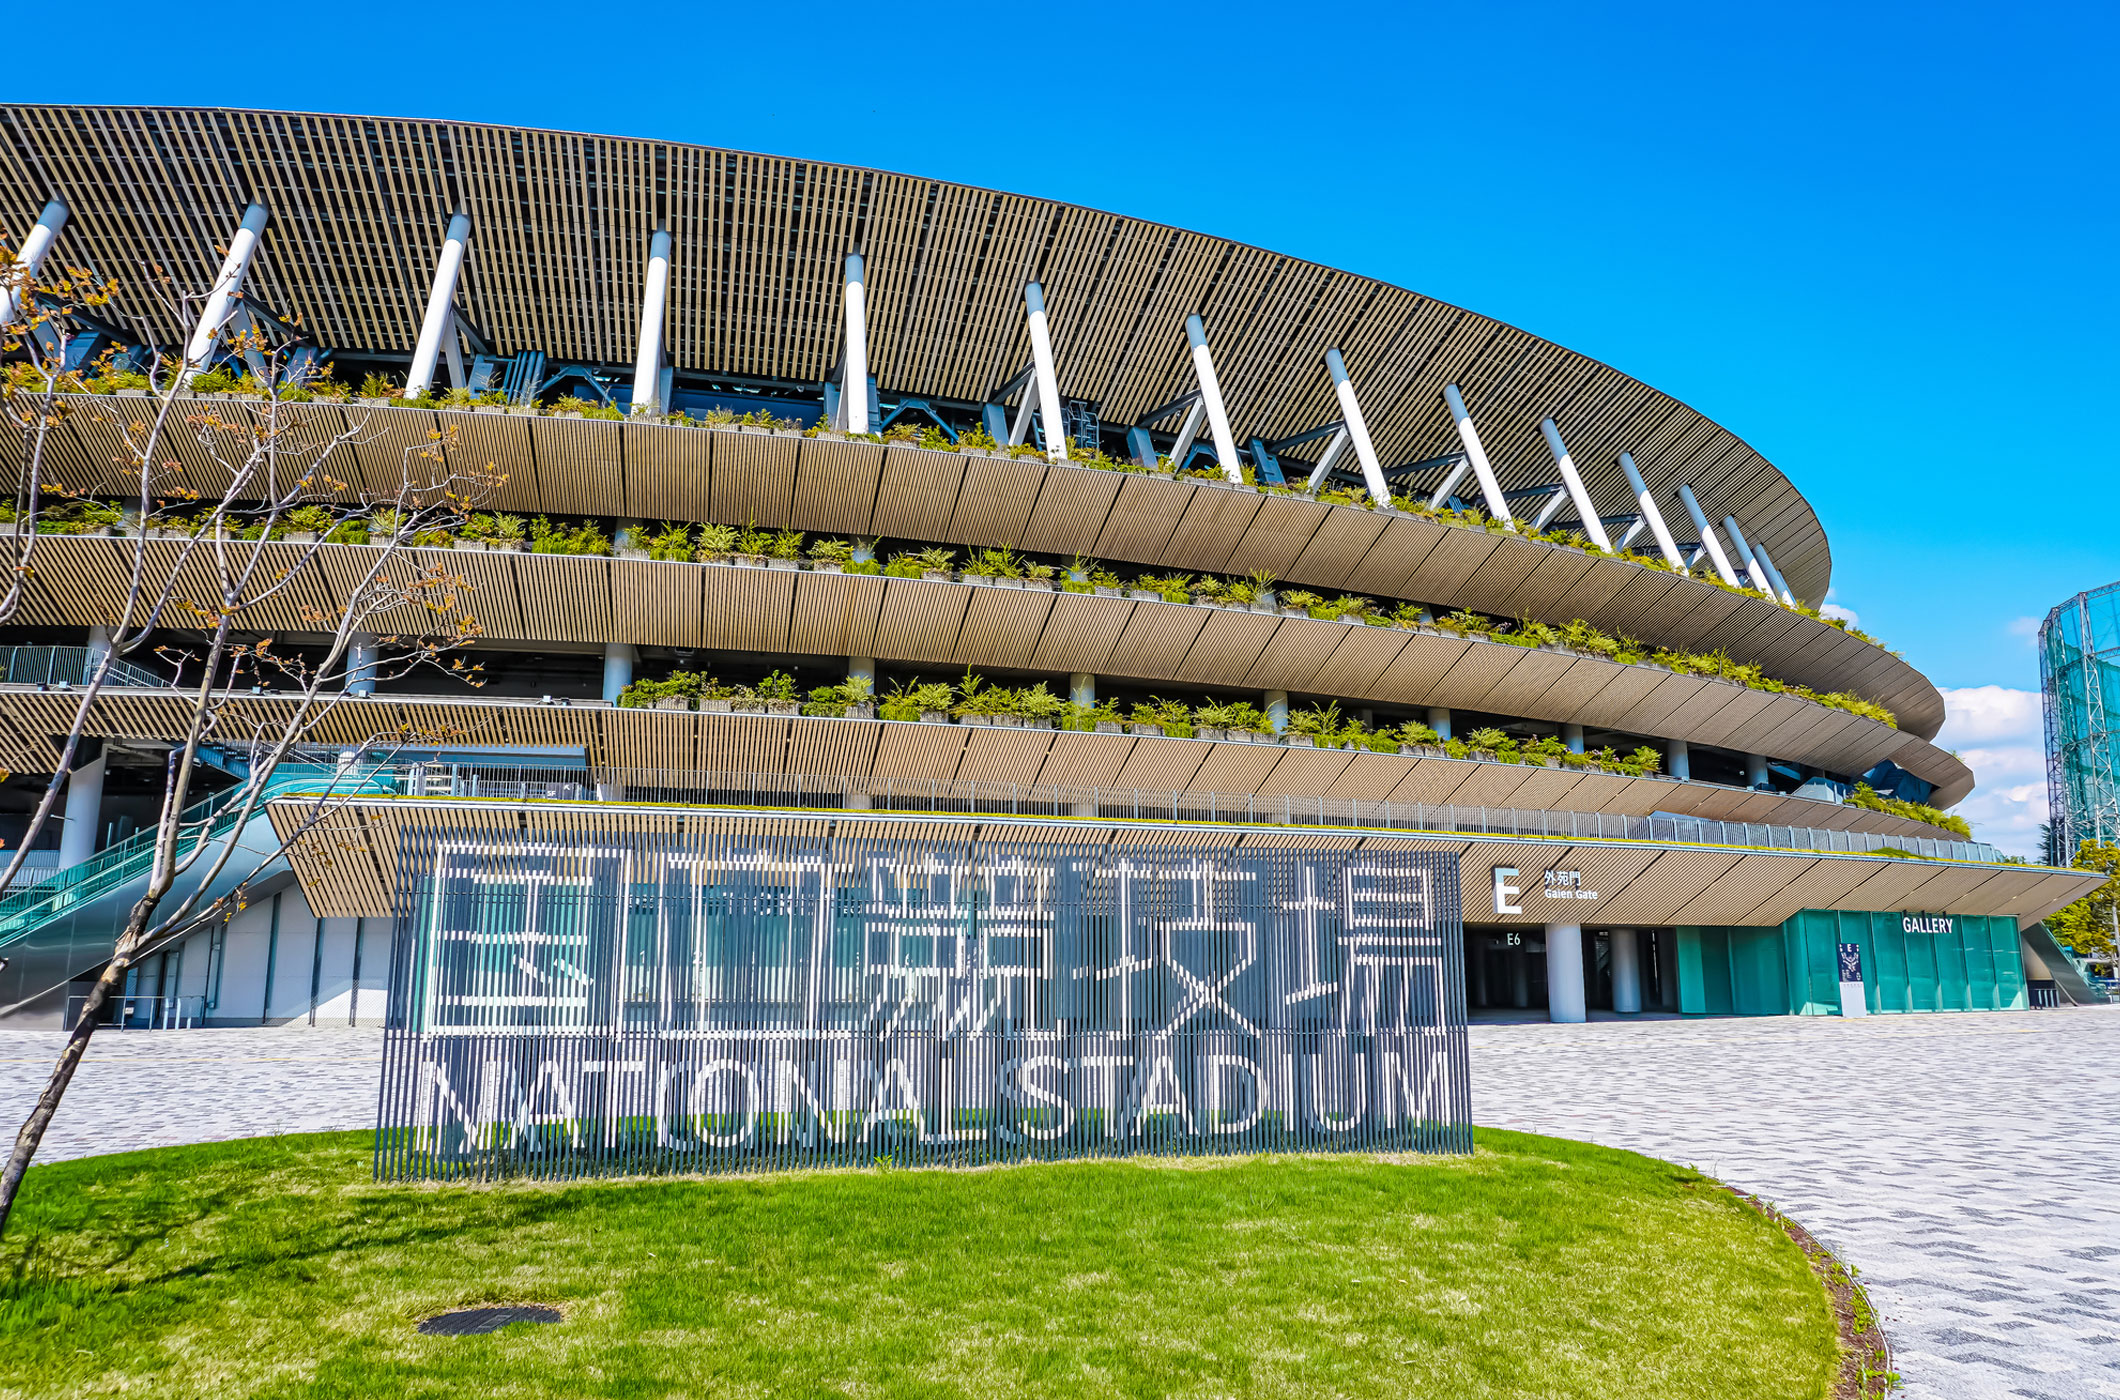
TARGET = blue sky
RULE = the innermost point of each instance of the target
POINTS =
(1875, 241)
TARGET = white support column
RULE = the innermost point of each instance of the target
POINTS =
(654, 303)
(1756, 771)
(1628, 535)
(1330, 455)
(1082, 689)
(1756, 574)
(1277, 711)
(1451, 479)
(221, 301)
(1650, 513)
(1626, 972)
(440, 319)
(1564, 974)
(1573, 481)
(83, 820)
(362, 656)
(1781, 585)
(1572, 736)
(618, 670)
(1708, 541)
(1188, 434)
(1547, 511)
(854, 367)
(1678, 759)
(1351, 413)
(1020, 429)
(30, 257)
(1050, 407)
(1490, 487)
(1211, 398)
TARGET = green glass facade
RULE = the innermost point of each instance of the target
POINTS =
(1909, 963)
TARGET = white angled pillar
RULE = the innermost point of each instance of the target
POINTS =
(1331, 454)
(1564, 974)
(1781, 585)
(654, 303)
(440, 319)
(1050, 409)
(1211, 399)
(1351, 413)
(1745, 557)
(1678, 759)
(618, 670)
(228, 286)
(1626, 972)
(1707, 536)
(854, 372)
(1577, 492)
(1188, 433)
(1451, 478)
(1650, 513)
(1490, 487)
(29, 258)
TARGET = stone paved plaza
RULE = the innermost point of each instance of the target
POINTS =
(1966, 1164)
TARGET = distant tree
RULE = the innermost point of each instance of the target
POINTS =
(2088, 925)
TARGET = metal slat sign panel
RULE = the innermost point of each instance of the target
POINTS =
(627, 1002)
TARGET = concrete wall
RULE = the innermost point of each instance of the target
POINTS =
(326, 972)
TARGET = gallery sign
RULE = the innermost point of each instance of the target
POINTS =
(1926, 923)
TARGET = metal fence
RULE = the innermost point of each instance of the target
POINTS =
(1048, 800)
(67, 666)
(632, 1002)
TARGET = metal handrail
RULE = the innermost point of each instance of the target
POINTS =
(695, 788)
(68, 666)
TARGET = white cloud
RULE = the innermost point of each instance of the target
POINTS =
(2000, 734)
(1846, 615)
(2027, 628)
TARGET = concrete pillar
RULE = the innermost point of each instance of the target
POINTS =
(1781, 585)
(1626, 972)
(30, 257)
(440, 318)
(648, 355)
(1439, 721)
(1756, 770)
(1211, 399)
(1564, 973)
(362, 657)
(854, 376)
(83, 821)
(862, 668)
(98, 648)
(1520, 976)
(1745, 557)
(221, 301)
(1277, 710)
(1476, 967)
(1572, 736)
(1082, 689)
(618, 669)
(1326, 459)
(1678, 758)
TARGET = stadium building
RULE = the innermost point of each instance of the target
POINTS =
(843, 505)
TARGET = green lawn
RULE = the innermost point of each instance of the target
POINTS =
(1536, 1268)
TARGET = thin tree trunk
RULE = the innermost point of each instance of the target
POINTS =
(40, 1118)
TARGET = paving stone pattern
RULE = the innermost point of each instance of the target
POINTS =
(1967, 1164)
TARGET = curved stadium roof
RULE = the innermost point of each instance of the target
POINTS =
(561, 224)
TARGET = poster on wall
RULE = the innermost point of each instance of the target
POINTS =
(1853, 999)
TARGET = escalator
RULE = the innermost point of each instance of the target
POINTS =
(2070, 978)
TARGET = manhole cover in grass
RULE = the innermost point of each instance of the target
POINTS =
(474, 1322)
